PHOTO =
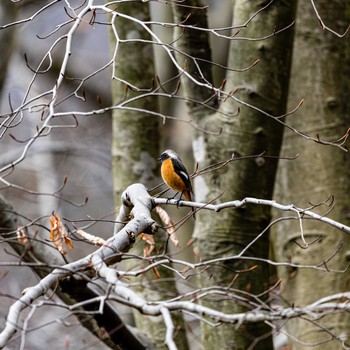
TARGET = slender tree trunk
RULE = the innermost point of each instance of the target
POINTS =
(7, 15)
(321, 70)
(135, 149)
(135, 144)
(223, 234)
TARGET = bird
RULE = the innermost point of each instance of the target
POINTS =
(175, 174)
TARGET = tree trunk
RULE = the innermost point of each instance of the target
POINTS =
(224, 234)
(7, 15)
(321, 70)
(135, 135)
(135, 149)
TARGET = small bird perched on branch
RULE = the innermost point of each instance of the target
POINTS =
(175, 174)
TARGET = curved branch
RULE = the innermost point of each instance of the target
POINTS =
(136, 196)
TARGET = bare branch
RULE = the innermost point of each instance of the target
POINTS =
(240, 203)
(117, 244)
(324, 27)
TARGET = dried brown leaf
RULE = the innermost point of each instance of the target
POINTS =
(155, 272)
(196, 253)
(22, 235)
(149, 239)
(59, 234)
(168, 223)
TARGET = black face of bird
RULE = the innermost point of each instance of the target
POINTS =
(168, 154)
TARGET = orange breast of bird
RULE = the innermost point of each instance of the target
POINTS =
(173, 180)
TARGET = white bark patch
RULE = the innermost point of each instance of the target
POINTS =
(201, 189)
(198, 149)
(133, 34)
(145, 167)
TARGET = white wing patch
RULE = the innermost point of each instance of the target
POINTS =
(184, 175)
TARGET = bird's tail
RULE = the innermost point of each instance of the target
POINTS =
(188, 196)
(193, 213)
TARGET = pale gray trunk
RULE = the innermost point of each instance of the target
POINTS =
(321, 70)
(264, 86)
(135, 149)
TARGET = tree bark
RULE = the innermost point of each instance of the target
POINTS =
(222, 234)
(320, 75)
(7, 15)
(135, 144)
(135, 148)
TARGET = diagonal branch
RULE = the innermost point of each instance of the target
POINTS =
(110, 253)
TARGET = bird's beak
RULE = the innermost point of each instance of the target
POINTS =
(159, 158)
